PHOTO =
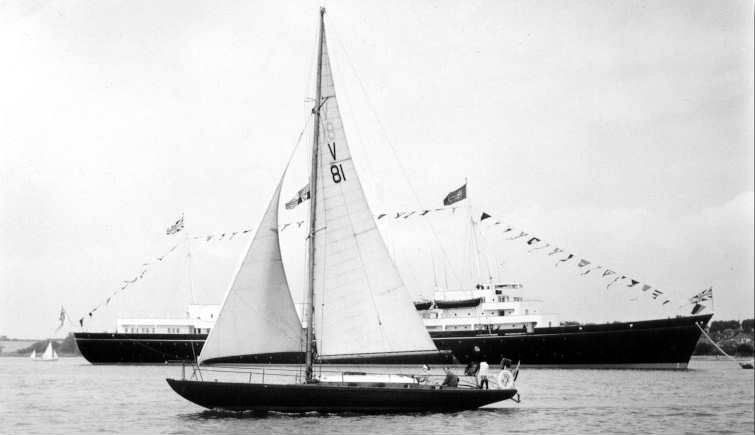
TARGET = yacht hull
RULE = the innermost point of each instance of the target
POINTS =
(297, 398)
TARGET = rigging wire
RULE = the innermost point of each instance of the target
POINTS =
(393, 150)
(187, 241)
(713, 342)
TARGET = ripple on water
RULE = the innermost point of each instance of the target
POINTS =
(71, 396)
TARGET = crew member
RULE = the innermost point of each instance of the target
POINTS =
(451, 379)
(482, 375)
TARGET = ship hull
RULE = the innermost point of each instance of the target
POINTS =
(116, 348)
(299, 398)
(651, 344)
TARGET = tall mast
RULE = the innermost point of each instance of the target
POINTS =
(475, 241)
(187, 240)
(310, 307)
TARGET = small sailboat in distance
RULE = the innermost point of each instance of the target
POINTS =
(48, 355)
(357, 305)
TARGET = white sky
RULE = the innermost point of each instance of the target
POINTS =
(619, 131)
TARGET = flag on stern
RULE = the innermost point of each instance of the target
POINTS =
(703, 296)
(455, 195)
(61, 317)
(176, 227)
(301, 196)
(697, 308)
(699, 298)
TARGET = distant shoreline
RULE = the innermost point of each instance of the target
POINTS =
(66, 355)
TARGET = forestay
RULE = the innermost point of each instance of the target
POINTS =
(258, 315)
(361, 304)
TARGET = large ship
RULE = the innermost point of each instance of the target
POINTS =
(488, 323)
(155, 339)
(491, 323)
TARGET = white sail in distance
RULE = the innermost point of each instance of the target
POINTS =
(49, 352)
(362, 306)
(258, 315)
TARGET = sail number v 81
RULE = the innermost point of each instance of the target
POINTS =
(336, 170)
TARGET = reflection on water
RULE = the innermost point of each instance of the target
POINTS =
(240, 415)
(72, 396)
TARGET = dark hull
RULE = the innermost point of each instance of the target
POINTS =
(651, 344)
(327, 398)
(111, 348)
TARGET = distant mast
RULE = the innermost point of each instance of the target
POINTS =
(309, 306)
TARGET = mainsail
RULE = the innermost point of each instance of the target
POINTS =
(362, 306)
(258, 315)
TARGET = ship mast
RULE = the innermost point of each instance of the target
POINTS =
(474, 230)
(309, 306)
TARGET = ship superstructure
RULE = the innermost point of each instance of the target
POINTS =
(199, 319)
(499, 307)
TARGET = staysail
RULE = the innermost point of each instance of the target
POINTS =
(258, 316)
(362, 307)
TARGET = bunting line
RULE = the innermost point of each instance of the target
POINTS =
(536, 244)
(533, 243)
(126, 283)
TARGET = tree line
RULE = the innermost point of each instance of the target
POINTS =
(67, 346)
(733, 336)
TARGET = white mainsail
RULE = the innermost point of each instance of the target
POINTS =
(258, 315)
(33, 354)
(361, 303)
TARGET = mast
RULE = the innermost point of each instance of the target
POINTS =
(309, 306)
(474, 226)
(187, 240)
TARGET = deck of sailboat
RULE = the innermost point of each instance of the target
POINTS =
(335, 397)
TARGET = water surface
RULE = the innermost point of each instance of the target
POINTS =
(72, 396)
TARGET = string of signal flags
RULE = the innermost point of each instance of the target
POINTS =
(145, 267)
(584, 266)
(534, 243)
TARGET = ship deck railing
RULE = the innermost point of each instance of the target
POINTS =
(295, 374)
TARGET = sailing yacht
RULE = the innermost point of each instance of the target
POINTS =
(48, 355)
(357, 306)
